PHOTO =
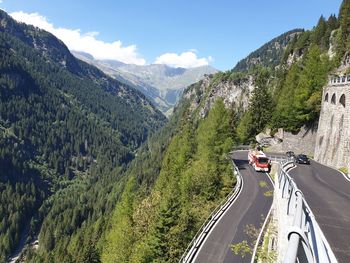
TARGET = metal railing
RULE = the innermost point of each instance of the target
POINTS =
(306, 242)
(338, 80)
(278, 158)
(204, 230)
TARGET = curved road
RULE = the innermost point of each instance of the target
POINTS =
(250, 207)
(328, 195)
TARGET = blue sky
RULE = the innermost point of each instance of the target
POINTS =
(175, 32)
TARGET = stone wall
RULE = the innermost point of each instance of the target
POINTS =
(302, 142)
(333, 135)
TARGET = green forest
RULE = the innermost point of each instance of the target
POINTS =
(66, 133)
(157, 223)
(90, 168)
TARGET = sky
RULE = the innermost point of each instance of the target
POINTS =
(179, 33)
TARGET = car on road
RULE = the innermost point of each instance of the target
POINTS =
(290, 154)
(302, 159)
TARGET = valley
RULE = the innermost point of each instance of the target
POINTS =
(109, 161)
(162, 84)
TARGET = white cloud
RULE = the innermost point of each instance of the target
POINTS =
(89, 42)
(186, 59)
(75, 40)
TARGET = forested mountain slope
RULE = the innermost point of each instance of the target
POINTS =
(288, 94)
(269, 55)
(156, 219)
(96, 201)
(66, 132)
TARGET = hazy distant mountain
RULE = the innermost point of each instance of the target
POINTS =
(161, 83)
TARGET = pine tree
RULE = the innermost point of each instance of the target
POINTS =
(90, 254)
(309, 89)
(344, 17)
(260, 104)
(344, 35)
(333, 22)
(319, 35)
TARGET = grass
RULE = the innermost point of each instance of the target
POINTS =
(265, 253)
(344, 170)
(268, 193)
(262, 184)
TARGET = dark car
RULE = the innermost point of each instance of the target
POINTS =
(302, 158)
(290, 154)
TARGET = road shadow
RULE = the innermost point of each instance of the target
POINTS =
(240, 163)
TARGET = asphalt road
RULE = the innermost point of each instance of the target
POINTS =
(251, 207)
(328, 195)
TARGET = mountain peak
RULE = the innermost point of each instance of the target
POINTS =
(161, 83)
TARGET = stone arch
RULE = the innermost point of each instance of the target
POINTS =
(333, 100)
(342, 100)
(326, 97)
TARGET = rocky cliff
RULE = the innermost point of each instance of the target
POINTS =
(233, 92)
(303, 141)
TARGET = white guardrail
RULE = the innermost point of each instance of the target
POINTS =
(306, 242)
(202, 233)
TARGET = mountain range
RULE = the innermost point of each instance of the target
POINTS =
(161, 83)
(92, 171)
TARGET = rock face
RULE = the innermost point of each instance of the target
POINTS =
(333, 135)
(302, 142)
(233, 92)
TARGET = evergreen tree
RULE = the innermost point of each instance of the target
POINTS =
(343, 41)
(344, 17)
(319, 35)
(333, 22)
(309, 89)
(90, 254)
(260, 108)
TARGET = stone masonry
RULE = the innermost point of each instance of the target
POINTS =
(333, 134)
